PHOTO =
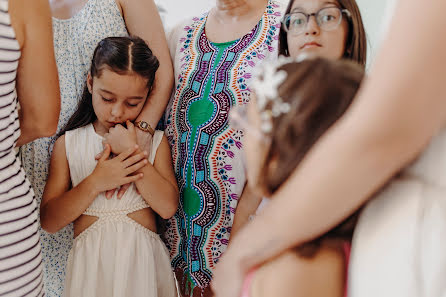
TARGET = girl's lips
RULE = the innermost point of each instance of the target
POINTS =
(311, 44)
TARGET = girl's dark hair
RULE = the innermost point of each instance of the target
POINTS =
(319, 92)
(356, 45)
(121, 55)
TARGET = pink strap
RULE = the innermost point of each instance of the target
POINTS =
(246, 288)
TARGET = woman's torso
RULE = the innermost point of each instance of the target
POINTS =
(20, 256)
(210, 78)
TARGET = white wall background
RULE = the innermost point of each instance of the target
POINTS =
(373, 13)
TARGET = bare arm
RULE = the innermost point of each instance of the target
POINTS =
(37, 81)
(399, 109)
(61, 205)
(246, 206)
(159, 186)
(142, 19)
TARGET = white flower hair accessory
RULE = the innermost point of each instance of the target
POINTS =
(266, 86)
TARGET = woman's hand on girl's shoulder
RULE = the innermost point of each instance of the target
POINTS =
(112, 173)
(120, 138)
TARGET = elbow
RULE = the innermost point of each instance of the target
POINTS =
(48, 130)
(50, 228)
(48, 127)
(46, 223)
(46, 124)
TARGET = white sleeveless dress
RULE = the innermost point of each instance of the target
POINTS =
(115, 256)
(399, 245)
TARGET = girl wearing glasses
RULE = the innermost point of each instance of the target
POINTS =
(331, 29)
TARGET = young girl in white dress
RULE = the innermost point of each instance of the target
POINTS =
(116, 250)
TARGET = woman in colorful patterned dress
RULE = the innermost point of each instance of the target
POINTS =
(78, 26)
(214, 56)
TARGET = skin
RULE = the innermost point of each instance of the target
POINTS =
(330, 44)
(37, 81)
(231, 19)
(117, 98)
(399, 109)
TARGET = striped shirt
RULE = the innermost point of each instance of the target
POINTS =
(20, 256)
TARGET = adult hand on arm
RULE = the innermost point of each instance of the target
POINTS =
(37, 82)
(142, 19)
(399, 109)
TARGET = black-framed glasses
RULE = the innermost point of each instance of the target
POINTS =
(327, 18)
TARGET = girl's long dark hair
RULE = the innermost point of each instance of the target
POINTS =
(121, 55)
(317, 103)
(356, 44)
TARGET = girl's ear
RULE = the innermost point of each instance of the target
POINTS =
(90, 83)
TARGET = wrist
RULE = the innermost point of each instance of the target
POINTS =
(145, 127)
(91, 185)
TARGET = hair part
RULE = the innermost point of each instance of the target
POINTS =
(356, 44)
(122, 55)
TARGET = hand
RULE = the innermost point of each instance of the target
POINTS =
(112, 173)
(121, 190)
(228, 271)
(120, 138)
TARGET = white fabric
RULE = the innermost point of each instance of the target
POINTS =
(115, 256)
(399, 242)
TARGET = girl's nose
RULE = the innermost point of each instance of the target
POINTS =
(117, 111)
(312, 26)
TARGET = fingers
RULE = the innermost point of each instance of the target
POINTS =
(136, 166)
(98, 156)
(105, 153)
(133, 178)
(122, 190)
(125, 154)
(133, 159)
(109, 193)
(130, 126)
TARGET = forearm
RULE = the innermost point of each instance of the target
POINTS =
(31, 128)
(61, 211)
(159, 97)
(159, 193)
(246, 206)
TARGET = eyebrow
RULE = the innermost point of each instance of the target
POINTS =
(299, 8)
(130, 97)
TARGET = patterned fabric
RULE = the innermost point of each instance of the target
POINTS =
(74, 42)
(207, 154)
(20, 255)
